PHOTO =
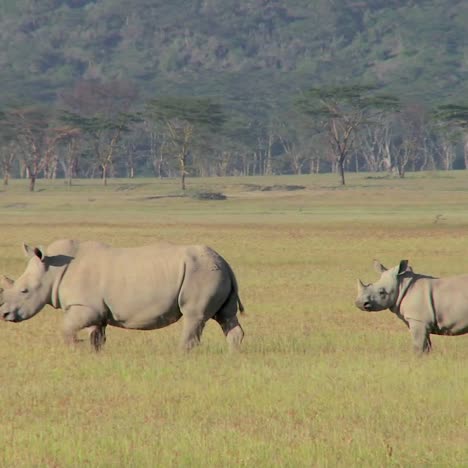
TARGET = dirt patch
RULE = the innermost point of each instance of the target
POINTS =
(272, 188)
(160, 197)
(126, 187)
(282, 188)
(252, 187)
(16, 205)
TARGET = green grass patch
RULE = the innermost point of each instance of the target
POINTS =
(318, 382)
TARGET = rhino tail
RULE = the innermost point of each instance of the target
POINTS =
(235, 288)
(240, 305)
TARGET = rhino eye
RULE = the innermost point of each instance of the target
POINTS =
(24, 290)
(382, 292)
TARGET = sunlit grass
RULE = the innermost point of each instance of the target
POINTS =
(318, 383)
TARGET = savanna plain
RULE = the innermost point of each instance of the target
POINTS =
(318, 382)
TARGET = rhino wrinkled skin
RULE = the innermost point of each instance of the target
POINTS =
(141, 288)
(426, 304)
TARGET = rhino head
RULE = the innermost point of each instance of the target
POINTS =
(5, 283)
(382, 294)
(25, 297)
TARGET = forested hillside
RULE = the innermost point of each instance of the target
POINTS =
(254, 58)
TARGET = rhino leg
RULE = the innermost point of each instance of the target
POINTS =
(233, 332)
(227, 319)
(191, 333)
(420, 334)
(79, 317)
(97, 337)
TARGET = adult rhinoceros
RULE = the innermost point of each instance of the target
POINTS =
(140, 288)
(427, 305)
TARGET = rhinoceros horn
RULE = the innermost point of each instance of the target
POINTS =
(360, 285)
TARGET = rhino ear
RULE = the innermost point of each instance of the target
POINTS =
(5, 282)
(28, 250)
(33, 251)
(378, 267)
(404, 267)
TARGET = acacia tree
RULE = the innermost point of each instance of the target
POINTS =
(158, 148)
(104, 135)
(7, 158)
(447, 142)
(453, 119)
(68, 141)
(184, 119)
(343, 110)
(376, 144)
(296, 154)
(102, 112)
(30, 126)
(8, 147)
(448, 137)
(414, 142)
(232, 146)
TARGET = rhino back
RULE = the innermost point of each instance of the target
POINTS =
(135, 284)
(442, 303)
(63, 247)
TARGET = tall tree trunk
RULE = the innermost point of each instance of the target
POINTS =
(104, 173)
(182, 172)
(341, 169)
(70, 173)
(465, 150)
(54, 167)
(268, 164)
(6, 172)
(32, 181)
(401, 170)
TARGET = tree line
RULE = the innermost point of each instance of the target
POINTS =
(102, 129)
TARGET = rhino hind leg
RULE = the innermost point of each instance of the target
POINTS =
(191, 333)
(227, 319)
(233, 332)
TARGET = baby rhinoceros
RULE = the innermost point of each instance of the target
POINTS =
(140, 288)
(427, 305)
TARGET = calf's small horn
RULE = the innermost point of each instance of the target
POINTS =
(360, 285)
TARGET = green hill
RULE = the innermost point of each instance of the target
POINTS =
(232, 47)
(253, 58)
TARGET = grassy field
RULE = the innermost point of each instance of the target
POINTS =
(318, 383)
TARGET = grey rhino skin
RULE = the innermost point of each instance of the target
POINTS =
(140, 288)
(427, 305)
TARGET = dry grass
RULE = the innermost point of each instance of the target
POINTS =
(318, 382)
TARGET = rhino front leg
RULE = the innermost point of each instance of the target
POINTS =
(79, 317)
(420, 334)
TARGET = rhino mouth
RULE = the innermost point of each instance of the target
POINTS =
(365, 306)
(10, 317)
(368, 306)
